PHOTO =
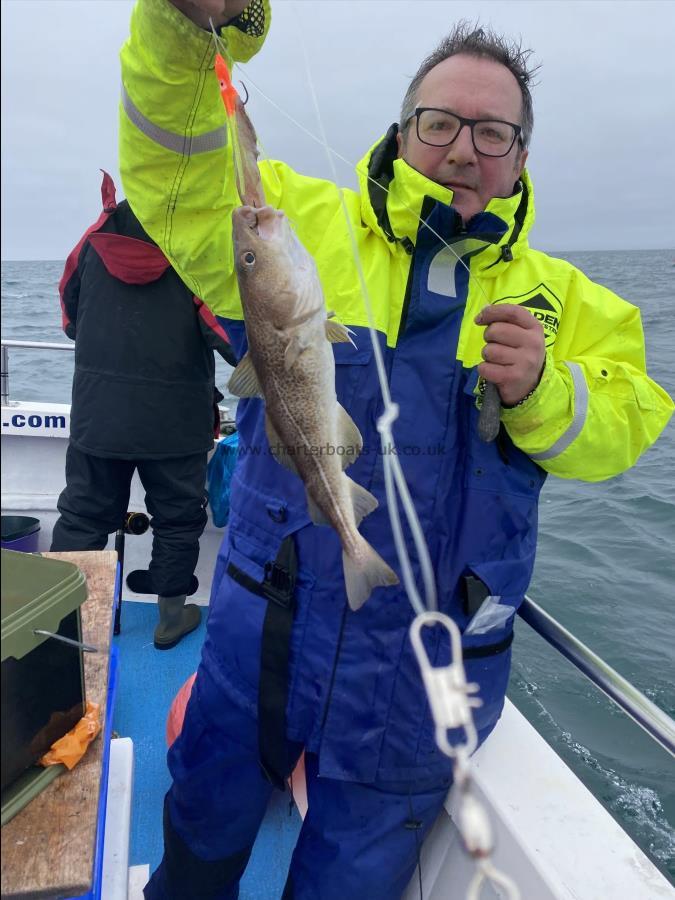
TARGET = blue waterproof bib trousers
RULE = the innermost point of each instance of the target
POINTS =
(355, 701)
(357, 840)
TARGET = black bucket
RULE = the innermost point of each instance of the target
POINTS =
(20, 533)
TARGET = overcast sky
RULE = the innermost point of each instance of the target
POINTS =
(602, 156)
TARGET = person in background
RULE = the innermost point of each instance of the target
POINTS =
(286, 665)
(144, 399)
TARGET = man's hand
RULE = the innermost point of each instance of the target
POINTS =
(514, 350)
(221, 11)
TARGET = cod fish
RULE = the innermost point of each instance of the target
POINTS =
(290, 365)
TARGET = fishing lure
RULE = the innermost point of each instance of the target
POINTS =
(227, 90)
(243, 138)
(230, 99)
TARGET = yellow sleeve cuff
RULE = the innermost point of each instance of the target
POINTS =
(543, 418)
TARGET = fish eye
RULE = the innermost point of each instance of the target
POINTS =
(248, 258)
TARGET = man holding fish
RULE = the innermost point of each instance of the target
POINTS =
(307, 644)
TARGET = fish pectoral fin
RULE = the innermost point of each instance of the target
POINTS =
(244, 380)
(315, 514)
(337, 333)
(364, 573)
(349, 437)
(277, 448)
(294, 349)
(362, 500)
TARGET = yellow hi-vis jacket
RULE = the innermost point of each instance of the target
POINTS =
(595, 410)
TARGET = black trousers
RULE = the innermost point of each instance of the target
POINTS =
(95, 500)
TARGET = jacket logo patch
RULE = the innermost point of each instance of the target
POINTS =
(544, 306)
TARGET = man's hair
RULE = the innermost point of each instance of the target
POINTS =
(472, 40)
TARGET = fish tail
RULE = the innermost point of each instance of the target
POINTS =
(363, 572)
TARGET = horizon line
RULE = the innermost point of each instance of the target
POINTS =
(566, 250)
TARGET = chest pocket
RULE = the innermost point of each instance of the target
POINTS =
(353, 370)
(259, 522)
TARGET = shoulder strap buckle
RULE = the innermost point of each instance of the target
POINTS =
(279, 583)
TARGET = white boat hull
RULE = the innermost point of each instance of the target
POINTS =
(34, 442)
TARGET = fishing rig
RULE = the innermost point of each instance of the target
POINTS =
(449, 694)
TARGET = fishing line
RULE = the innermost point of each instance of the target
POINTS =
(226, 87)
(394, 476)
(331, 151)
(232, 121)
(395, 480)
(489, 399)
(486, 871)
(391, 464)
(361, 170)
(236, 150)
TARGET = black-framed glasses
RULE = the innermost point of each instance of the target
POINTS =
(439, 128)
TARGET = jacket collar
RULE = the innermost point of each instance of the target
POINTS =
(393, 195)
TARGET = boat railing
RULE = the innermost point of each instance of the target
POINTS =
(34, 345)
(227, 423)
(658, 724)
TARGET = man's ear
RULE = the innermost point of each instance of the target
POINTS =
(521, 162)
(400, 143)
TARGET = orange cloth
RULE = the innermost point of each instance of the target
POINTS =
(70, 749)
(174, 722)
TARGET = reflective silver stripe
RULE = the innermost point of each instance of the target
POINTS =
(178, 143)
(441, 278)
(580, 411)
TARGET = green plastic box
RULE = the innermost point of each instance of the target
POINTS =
(43, 694)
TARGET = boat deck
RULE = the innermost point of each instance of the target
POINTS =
(148, 682)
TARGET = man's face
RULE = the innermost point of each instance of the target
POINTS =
(476, 89)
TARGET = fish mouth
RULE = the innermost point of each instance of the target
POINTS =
(265, 221)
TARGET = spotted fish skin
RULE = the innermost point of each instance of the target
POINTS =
(290, 364)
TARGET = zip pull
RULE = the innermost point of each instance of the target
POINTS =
(64, 640)
(447, 688)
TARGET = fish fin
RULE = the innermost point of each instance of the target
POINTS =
(337, 333)
(364, 574)
(349, 437)
(244, 380)
(278, 450)
(294, 349)
(315, 514)
(362, 500)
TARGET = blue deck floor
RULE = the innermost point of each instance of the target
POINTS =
(148, 682)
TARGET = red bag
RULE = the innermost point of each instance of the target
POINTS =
(174, 725)
(174, 722)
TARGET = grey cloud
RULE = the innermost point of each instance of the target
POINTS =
(601, 157)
